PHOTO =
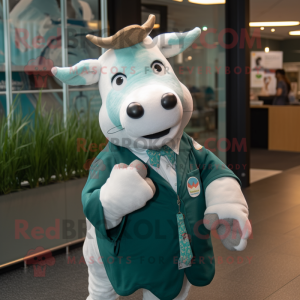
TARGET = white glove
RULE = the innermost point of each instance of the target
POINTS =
(126, 190)
(227, 212)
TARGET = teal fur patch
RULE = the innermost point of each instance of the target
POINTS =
(137, 59)
(74, 75)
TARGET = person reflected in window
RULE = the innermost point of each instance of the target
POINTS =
(283, 88)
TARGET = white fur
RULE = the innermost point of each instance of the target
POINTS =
(155, 119)
(225, 198)
(124, 192)
(160, 119)
(100, 287)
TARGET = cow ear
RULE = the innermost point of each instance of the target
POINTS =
(85, 72)
(171, 44)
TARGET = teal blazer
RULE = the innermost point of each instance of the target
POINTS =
(143, 250)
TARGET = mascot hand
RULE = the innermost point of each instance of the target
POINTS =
(126, 190)
(231, 223)
(227, 212)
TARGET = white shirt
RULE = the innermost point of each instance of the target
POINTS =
(166, 169)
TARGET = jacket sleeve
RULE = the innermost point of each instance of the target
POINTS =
(223, 194)
(92, 207)
(211, 167)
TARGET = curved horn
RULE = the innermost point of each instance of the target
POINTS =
(126, 37)
(149, 24)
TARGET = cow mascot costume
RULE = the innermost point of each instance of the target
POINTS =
(153, 194)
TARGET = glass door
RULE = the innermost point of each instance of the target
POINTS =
(201, 67)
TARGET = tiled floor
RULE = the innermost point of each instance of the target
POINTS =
(259, 174)
(273, 160)
(268, 269)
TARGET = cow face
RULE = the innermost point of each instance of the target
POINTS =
(144, 105)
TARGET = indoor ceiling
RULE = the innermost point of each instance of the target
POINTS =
(275, 10)
(260, 11)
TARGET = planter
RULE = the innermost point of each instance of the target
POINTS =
(46, 217)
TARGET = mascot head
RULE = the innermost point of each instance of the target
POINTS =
(144, 105)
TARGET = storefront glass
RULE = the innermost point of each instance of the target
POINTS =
(35, 44)
(35, 30)
(201, 67)
(2, 66)
(83, 19)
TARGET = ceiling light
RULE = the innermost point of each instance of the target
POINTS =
(273, 24)
(273, 29)
(189, 58)
(296, 32)
(178, 0)
(267, 49)
(156, 26)
(204, 28)
(262, 28)
(208, 2)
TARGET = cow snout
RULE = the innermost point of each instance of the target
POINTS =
(135, 110)
(149, 110)
(168, 101)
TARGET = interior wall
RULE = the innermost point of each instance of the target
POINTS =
(290, 48)
(274, 45)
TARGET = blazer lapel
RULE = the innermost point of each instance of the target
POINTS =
(182, 162)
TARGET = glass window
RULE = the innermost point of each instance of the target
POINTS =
(201, 67)
(35, 43)
(2, 66)
(2, 106)
(36, 47)
(35, 33)
(83, 17)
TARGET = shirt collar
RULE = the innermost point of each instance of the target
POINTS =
(142, 154)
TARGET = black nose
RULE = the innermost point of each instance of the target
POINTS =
(135, 110)
(168, 101)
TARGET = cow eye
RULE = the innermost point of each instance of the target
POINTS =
(119, 81)
(158, 68)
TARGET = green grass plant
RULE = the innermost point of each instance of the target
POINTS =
(43, 149)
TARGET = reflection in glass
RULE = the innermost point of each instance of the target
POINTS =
(201, 67)
(2, 66)
(83, 19)
(35, 31)
(2, 106)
